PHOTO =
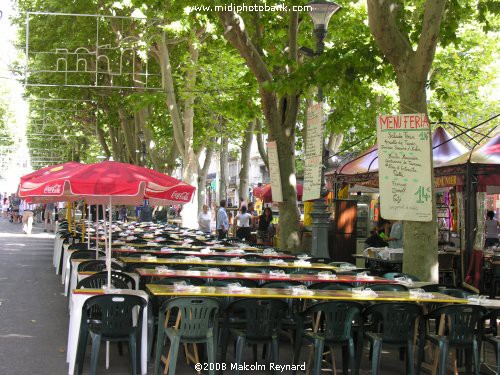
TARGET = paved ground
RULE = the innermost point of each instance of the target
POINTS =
(34, 315)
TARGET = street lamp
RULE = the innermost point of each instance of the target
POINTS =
(321, 11)
(140, 135)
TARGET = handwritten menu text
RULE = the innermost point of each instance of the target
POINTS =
(313, 162)
(405, 166)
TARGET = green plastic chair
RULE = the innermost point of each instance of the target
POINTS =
(490, 335)
(97, 265)
(434, 288)
(98, 280)
(336, 327)
(457, 293)
(198, 324)
(110, 317)
(225, 282)
(393, 324)
(260, 321)
(464, 330)
(380, 287)
(331, 286)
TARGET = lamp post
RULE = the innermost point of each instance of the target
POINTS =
(140, 135)
(321, 11)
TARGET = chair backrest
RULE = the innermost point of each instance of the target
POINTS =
(198, 268)
(337, 318)
(122, 276)
(457, 293)
(98, 280)
(97, 265)
(320, 260)
(116, 317)
(78, 246)
(257, 269)
(464, 322)
(171, 280)
(331, 286)
(281, 284)
(85, 254)
(493, 316)
(446, 261)
(394, 275)
(255, 258)
(434, 287)
(380, 287)
(395, 321)
(225, 282)
(311, 271)
(197, 316)
(261, 316)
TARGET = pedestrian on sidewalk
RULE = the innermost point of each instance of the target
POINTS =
(27, 218)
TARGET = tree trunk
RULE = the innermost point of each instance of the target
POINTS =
(224, 159)
(280, 114)
(202, 177)
(102, 140)
(411, 67)
(246, 147)
(420, 239)
(128, 134)
(260, 142)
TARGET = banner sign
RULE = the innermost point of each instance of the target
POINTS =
(313, 160)
(405, 167)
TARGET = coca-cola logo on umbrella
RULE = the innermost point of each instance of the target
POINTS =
(184, 196)
(54, 189)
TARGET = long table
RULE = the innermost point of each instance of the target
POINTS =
(343, 295)
(225, 263)
(147, 272)
(201, 254)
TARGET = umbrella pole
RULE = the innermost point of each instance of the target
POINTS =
(109, 245)
(83, 222)
(88, 230)
(97, 231)
(108, 265)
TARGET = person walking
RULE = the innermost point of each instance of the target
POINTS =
(27, 218)
(491, 227)
(49, 210)
(265, 228)
(204, 220)
(243, 224)
(222, 220)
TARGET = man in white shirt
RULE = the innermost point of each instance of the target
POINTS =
(222, 220)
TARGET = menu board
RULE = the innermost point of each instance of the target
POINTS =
(405, 167)
(274, 171)
(313, 160)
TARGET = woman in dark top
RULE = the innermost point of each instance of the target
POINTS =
(265, 221)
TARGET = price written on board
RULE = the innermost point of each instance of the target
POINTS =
(405, 167)
(313, 160)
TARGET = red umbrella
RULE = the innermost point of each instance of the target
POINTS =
(107, 182)
(96, 183)
(50, 170)
(264, 192)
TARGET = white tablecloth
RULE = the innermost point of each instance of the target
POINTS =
(58, 248)
(65, 262)
(74, 328)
